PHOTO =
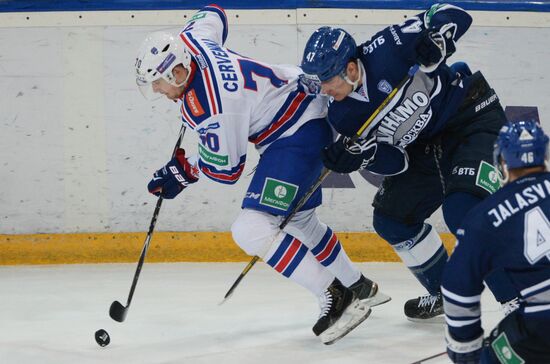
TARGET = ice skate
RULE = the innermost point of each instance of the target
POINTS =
(424, 308)
(341, 312)
(367, 291)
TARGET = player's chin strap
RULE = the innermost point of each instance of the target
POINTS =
(190, 69)
(503, 176)
(360, 70)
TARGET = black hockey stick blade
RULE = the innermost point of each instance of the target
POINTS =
(118, 312)
(241, 276)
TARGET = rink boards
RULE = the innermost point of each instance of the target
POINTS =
(164, 247)
(80, 143)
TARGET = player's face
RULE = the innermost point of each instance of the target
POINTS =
(161, 86)
(172, 92)
(336, 87)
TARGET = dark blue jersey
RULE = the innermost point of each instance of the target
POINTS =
(424, 105)
(504, 241)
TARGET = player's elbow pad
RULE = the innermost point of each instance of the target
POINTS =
(389, 160)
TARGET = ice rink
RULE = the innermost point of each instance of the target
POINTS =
(49, 315)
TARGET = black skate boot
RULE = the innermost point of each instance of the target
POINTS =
(341, 312)
(424, 308)
(367, 291)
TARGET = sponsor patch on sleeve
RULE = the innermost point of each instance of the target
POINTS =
(487, 177)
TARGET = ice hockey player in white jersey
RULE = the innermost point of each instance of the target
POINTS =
(230, 100)
(505, 241)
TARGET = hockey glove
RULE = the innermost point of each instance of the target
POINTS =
(343, 158)
(432, 48)
(464, 352)
(310, 83)
(171, 179)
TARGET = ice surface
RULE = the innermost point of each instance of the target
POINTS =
(49, 314)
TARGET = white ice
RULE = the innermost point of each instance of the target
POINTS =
(49, 314)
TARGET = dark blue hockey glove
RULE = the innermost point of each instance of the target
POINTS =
(171, 179)
(343, 158)
(464, 352)
(430, 50)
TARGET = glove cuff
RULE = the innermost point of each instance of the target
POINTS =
(463, 347)
(191, 171)
(180, 156)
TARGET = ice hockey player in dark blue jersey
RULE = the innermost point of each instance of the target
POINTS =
(505, 241)
(433, 141)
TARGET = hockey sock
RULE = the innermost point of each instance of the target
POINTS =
(329, 252)
(293, 260)
(324, 245)
(425, 256)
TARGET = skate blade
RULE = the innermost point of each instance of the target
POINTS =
(356, 313)
(378, 299)
(439, 319)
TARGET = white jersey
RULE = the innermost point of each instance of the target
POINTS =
(231, 99)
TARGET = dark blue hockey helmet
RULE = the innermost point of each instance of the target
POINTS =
(328, 52)
(522, 144)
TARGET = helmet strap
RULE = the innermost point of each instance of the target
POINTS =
(189, 70)
(360, 71)
(505, 174)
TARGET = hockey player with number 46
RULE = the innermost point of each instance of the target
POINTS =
(505, 241)
(231, 100)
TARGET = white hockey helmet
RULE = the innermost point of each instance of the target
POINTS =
(159, 53)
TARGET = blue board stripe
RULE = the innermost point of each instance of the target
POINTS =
(128, 5)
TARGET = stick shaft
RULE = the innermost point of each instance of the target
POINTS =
(430, 358)
(151, 230)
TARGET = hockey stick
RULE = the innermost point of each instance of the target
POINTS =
(287, 219)
(429, 358)
(117, 311)
(324, 174)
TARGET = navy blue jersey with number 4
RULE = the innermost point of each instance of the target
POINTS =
(423, 106)
(504, 241)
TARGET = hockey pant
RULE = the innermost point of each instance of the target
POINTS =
(307, 251)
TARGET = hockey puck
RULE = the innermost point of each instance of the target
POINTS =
(102, 338)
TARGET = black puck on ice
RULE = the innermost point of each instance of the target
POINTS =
(102, 338)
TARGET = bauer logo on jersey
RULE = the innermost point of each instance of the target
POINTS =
(201, 61)
(487, 177)
(193, 103)
(278, 194)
